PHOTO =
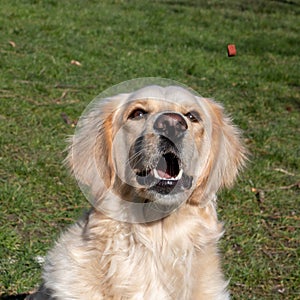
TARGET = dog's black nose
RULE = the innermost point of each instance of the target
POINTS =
(171, 125)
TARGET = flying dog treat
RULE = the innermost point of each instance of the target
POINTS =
(231, 50)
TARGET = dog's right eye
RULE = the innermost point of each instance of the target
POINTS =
(137, 114)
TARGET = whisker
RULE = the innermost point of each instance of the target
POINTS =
(132, 158)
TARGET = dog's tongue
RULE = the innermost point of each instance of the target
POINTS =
(163, 174)
(163, 169)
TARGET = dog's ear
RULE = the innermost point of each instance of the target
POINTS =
(226, 156)
(90, 149)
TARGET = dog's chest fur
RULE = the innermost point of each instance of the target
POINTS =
(164, 260)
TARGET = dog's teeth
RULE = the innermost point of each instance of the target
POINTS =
(178, 177)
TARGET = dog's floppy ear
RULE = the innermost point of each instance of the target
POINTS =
(226, 156)
(231, 153)
(90, 150)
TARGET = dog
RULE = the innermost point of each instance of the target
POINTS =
(150, 162)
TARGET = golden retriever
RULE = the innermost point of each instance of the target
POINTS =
(151, 163)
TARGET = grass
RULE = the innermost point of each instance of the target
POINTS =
(182, 40)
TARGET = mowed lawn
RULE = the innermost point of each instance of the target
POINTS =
(56, 56)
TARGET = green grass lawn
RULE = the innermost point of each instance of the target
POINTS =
(182, 40)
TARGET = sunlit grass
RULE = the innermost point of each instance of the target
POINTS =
(182, 40)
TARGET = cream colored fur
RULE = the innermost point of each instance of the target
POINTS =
(172, 258)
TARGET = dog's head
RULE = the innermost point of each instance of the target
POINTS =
(160, 145)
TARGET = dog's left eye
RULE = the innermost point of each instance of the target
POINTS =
(193, 116)
(137, 114)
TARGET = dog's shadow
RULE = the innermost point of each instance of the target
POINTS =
(13, 297)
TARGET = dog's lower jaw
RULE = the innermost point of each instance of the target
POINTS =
(175, 258)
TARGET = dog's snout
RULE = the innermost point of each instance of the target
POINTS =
(172, 125)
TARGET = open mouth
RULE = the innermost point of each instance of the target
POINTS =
(167, 177)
